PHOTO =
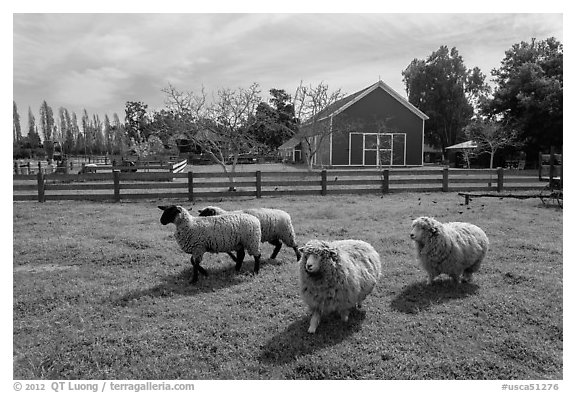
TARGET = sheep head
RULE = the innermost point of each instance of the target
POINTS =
(315, 255)
(171, 213)
(210, 211)
(424, 228)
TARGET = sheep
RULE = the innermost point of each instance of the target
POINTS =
(276, 226)
(197, 236)
(337, 276)
(454, 248)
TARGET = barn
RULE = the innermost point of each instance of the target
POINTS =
(375, 126)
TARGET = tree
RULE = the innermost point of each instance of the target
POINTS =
(120, 139)
(33, 136)
(490, 136)
(275, 123)
(445, 90)
(136, 121)
(221, 128)
(311, 106)
(528, 95)
(47, 127)
(16, 129)
(108, 135)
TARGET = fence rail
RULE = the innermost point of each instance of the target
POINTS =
(119, 186)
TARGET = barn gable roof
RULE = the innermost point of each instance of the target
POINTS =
(342, 104)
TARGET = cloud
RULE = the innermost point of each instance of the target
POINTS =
(91, 87)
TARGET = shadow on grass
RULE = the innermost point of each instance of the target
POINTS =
(223, 276)
(420, 296)
(295, 341)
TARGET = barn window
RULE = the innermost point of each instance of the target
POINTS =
(384, 149)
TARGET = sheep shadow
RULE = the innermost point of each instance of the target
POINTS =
(421, 296)
(295, 341)
(179, 283)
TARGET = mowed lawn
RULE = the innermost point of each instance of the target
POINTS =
(101, 292)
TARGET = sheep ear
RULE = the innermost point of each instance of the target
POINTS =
(162, 207)
(333, 254)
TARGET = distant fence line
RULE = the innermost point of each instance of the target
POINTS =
(117, 185)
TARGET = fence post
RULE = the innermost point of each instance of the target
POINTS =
(445, 180)
(116, 174)
(552, 168)
(324, 182)
(41, 185)
(385, 181)
(500, 184)
(190, 186)
(258, 184)
(16, 168)
(39, 166)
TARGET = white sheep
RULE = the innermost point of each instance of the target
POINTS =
(453, 248)
(337, 276)
(198, 235)
(276, 226)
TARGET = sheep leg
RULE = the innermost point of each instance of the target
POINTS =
(240, 259)
(314, 322)
(298, 255)
(256, 264)
(455, 278)
(195, 269)
(277, 246)
(430, 279)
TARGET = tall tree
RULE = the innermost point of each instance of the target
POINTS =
(275, 123)
(529, 93)
(442, 87)
(311, 103)
(136, 121)
(16, 128)
(108, 135)
(47, 127)
(69, 138)
(33, 136)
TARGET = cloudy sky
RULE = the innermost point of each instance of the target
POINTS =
(99, 61)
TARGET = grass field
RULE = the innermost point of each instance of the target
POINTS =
(101, 292)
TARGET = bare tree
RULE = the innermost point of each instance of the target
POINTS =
(490, 136)
(221, 127)
(311, 106)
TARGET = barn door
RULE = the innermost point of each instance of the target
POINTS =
(356, 149)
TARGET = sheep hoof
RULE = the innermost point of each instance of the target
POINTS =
(311, 330)
(344, 315)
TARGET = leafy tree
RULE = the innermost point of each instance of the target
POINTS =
(120, 138)
(33, 136)
(16, 128)
(98, 141)
(529, 90)
(442, 87)
(310, 104)
(276, 123)
(47, 127)
(108, 135)
(136, 120)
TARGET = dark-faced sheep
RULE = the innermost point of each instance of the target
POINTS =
(198, 235)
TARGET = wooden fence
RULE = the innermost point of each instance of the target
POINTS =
(117, 185)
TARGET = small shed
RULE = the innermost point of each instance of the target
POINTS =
(375, 126)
